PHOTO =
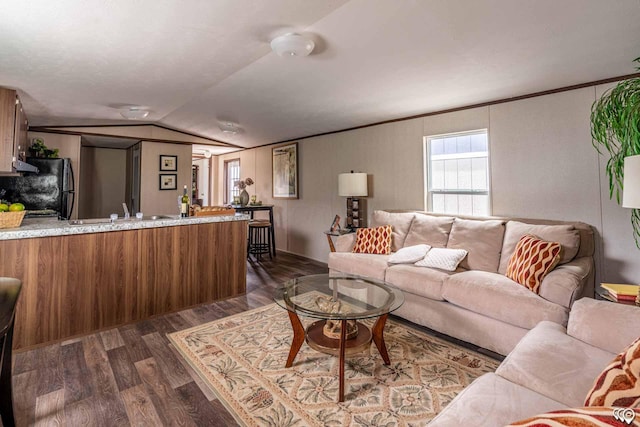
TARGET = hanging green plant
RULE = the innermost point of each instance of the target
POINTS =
(615, 127)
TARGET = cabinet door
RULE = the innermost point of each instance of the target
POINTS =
(20, 143)
(7, 128)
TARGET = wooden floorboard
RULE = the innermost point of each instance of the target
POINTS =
(131, 375)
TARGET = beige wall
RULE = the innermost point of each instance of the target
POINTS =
(69, 146)
(542, 165)
(102, 182)
(154, 201)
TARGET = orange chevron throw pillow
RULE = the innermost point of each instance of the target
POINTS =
(619, 383)
(532, 260)
(373, 240)
(582, 417)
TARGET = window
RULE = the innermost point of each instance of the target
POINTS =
(457, 173)
(231, 175)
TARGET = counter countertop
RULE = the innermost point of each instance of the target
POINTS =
(45, 227)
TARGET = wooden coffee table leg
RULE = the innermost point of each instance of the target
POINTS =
(378, 338)
(343, 340)
(298, 337)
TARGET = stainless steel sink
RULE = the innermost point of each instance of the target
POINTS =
(89, 221)
(92, 221)
(155, 217)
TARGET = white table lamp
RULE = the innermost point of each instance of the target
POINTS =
(631, 183)
(353, 186)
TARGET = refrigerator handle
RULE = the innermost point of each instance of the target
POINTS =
(73, 180)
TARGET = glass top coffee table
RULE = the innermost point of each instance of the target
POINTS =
(338, 302)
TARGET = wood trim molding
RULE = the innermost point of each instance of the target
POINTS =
(467, 107)
(59, 129)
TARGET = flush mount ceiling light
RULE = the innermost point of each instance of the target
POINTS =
(134, 113)
(292, 44)
(230, 128)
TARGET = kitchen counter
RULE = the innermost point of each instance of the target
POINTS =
(46, 227)
(79, 279)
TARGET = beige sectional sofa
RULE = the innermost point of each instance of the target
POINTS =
(476, 303)
(551, 368)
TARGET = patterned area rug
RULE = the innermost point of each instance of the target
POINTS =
(242, 359)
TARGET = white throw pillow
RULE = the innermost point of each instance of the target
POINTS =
(442, 258)
(409, 255)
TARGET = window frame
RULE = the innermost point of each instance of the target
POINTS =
(428, 179)
(228, 196)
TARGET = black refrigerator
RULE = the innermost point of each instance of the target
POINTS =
(50, 192)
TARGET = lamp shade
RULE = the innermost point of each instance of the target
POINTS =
(631, 183)
(352, 184)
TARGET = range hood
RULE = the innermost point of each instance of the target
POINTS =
(21, 166)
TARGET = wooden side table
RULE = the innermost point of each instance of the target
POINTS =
(331, 234)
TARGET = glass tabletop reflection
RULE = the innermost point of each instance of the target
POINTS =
(338, 297)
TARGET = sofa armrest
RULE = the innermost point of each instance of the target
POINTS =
(345, 243)
(565, 283)
(604, 324)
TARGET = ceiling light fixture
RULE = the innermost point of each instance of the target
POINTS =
(230, 128)
(292, 44)
(207, 154)
(134, 113)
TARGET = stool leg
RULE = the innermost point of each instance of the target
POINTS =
(268, 235)
(6, 396)
(259, 244)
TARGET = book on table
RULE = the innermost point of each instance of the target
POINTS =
(621, 292)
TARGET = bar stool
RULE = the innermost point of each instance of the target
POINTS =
(9, 292)
(259, 241)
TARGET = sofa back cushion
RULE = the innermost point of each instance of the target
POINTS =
(566, 235)
(482, 239)
(399, 222)
(429, 230)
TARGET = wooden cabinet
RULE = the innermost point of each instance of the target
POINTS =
(13, 130)
(78, 284)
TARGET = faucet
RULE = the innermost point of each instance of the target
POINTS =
(126, 210)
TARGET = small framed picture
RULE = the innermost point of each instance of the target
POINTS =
(168, 163)
(168, 181)
(335, 225)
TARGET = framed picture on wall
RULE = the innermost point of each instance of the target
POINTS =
(285, 171)
(168, 181)
(168, 163)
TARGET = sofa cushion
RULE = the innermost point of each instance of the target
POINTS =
(500, 298)
(399, 222)
(604, 324)
(552, 363)
(483, 241)
(409, 254)
(566, 235)
(368, 265)
(619, 383)
(375, 240)
(442, 258)
(429, 229)
(492, 401)
(597, 416)
(532, 260)
(426, 282)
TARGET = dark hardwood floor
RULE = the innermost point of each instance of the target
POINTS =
(130, 375)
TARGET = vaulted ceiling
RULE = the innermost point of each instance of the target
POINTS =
(196, 64)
